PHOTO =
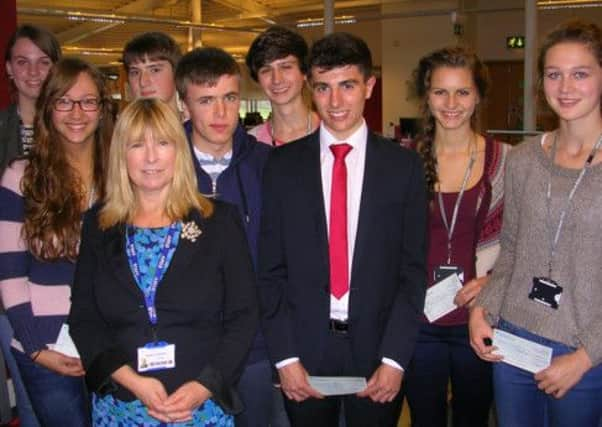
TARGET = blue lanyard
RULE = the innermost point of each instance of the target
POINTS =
(151, 292)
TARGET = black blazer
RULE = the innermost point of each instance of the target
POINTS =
(206, 305)
(388, 277)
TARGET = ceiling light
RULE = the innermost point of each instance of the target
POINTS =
(570, 4)
(318, 22)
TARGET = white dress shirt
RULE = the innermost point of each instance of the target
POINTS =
(355, 162)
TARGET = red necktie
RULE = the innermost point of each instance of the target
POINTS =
(339, 264)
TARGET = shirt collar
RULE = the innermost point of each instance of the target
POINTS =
(357, 139)
(208, 157)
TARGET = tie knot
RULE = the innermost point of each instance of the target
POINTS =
(340, 150)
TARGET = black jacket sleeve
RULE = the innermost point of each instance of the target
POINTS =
(90, 333)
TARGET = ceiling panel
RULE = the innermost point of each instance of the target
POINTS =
(170, 16)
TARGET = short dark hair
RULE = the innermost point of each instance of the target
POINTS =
(153, 45)
(204, 66)
(276, 43)
(43, 39)
(340, 49)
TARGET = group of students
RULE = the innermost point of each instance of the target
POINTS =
(188, 259)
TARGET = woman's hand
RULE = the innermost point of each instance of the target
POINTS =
(563, 373)
(469, 291)
(480, 332)
(59, 363)
(182, 402)
(149, 391)
(152, 394)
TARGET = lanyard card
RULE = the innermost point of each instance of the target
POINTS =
(546, 291)
(443, 271)
(156, 356)
(439, 299)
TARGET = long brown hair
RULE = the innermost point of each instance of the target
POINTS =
(454, 57)
(52, 188)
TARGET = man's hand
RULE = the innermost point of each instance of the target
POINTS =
(384, 384)
(563, 373)
(293, 380)
(468, 292)
(480, 330)
(181, 403)
(59, 363)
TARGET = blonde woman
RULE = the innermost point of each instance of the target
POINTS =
(164, 306)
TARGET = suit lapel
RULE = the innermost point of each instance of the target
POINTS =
(114, 248)
(311, 175)
(367, 203)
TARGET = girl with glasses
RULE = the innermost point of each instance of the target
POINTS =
(41, 204)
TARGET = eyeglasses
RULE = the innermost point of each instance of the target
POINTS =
(86, 104)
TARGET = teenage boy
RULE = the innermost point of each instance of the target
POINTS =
(342, 250)
(229, 165)
(150, 61)
(277, 60)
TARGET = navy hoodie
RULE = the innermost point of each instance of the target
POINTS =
(240, 184)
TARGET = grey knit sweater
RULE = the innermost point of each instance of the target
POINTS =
(525, 242)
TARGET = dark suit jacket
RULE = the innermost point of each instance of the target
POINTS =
(206, 305)
(388, 277)
(10, 146)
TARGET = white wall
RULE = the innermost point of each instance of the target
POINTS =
(405, 41)
(493, 28)
(369, 31)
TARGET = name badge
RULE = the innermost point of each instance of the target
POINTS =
(546, 291)
(156, 356)
(442, 272)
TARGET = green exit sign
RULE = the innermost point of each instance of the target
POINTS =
(515, 42)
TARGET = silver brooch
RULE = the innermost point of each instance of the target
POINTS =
(190, 231)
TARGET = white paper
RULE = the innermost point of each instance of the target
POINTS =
(440, 298)
(333, 386)
(522, 353)
(64, 344)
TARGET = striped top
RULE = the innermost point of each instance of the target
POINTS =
(36, 294)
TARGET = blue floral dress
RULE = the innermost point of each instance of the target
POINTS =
(110, 412)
